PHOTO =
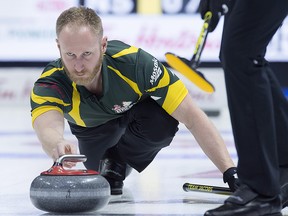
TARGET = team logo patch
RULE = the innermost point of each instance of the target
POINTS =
(126, 105)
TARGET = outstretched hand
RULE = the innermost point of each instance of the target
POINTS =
(65, 147)
(230, 177)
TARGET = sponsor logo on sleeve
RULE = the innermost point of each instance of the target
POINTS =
(156, 71)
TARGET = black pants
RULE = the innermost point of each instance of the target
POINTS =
(258, 108)
(134, 139)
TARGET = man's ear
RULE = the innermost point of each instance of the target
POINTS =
(104, 44)
(57, 42)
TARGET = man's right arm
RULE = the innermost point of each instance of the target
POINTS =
(49, 128)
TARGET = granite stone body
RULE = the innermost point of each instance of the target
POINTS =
(71, 192)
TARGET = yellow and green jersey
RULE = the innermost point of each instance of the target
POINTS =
(128, 74)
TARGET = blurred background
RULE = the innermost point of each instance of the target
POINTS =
(27, 42)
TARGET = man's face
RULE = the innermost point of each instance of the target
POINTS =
(81, 52)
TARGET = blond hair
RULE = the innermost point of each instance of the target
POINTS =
(77, 17)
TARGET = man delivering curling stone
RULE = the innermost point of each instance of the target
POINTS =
(121, 103)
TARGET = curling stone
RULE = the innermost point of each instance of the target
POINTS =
(60, 190)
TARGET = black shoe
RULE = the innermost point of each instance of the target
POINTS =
(116, 187)
(115, 173)
(284, 186)
(244, 202)
(284, 195)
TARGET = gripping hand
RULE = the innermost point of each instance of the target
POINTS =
(217, 8)
(230, 177)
